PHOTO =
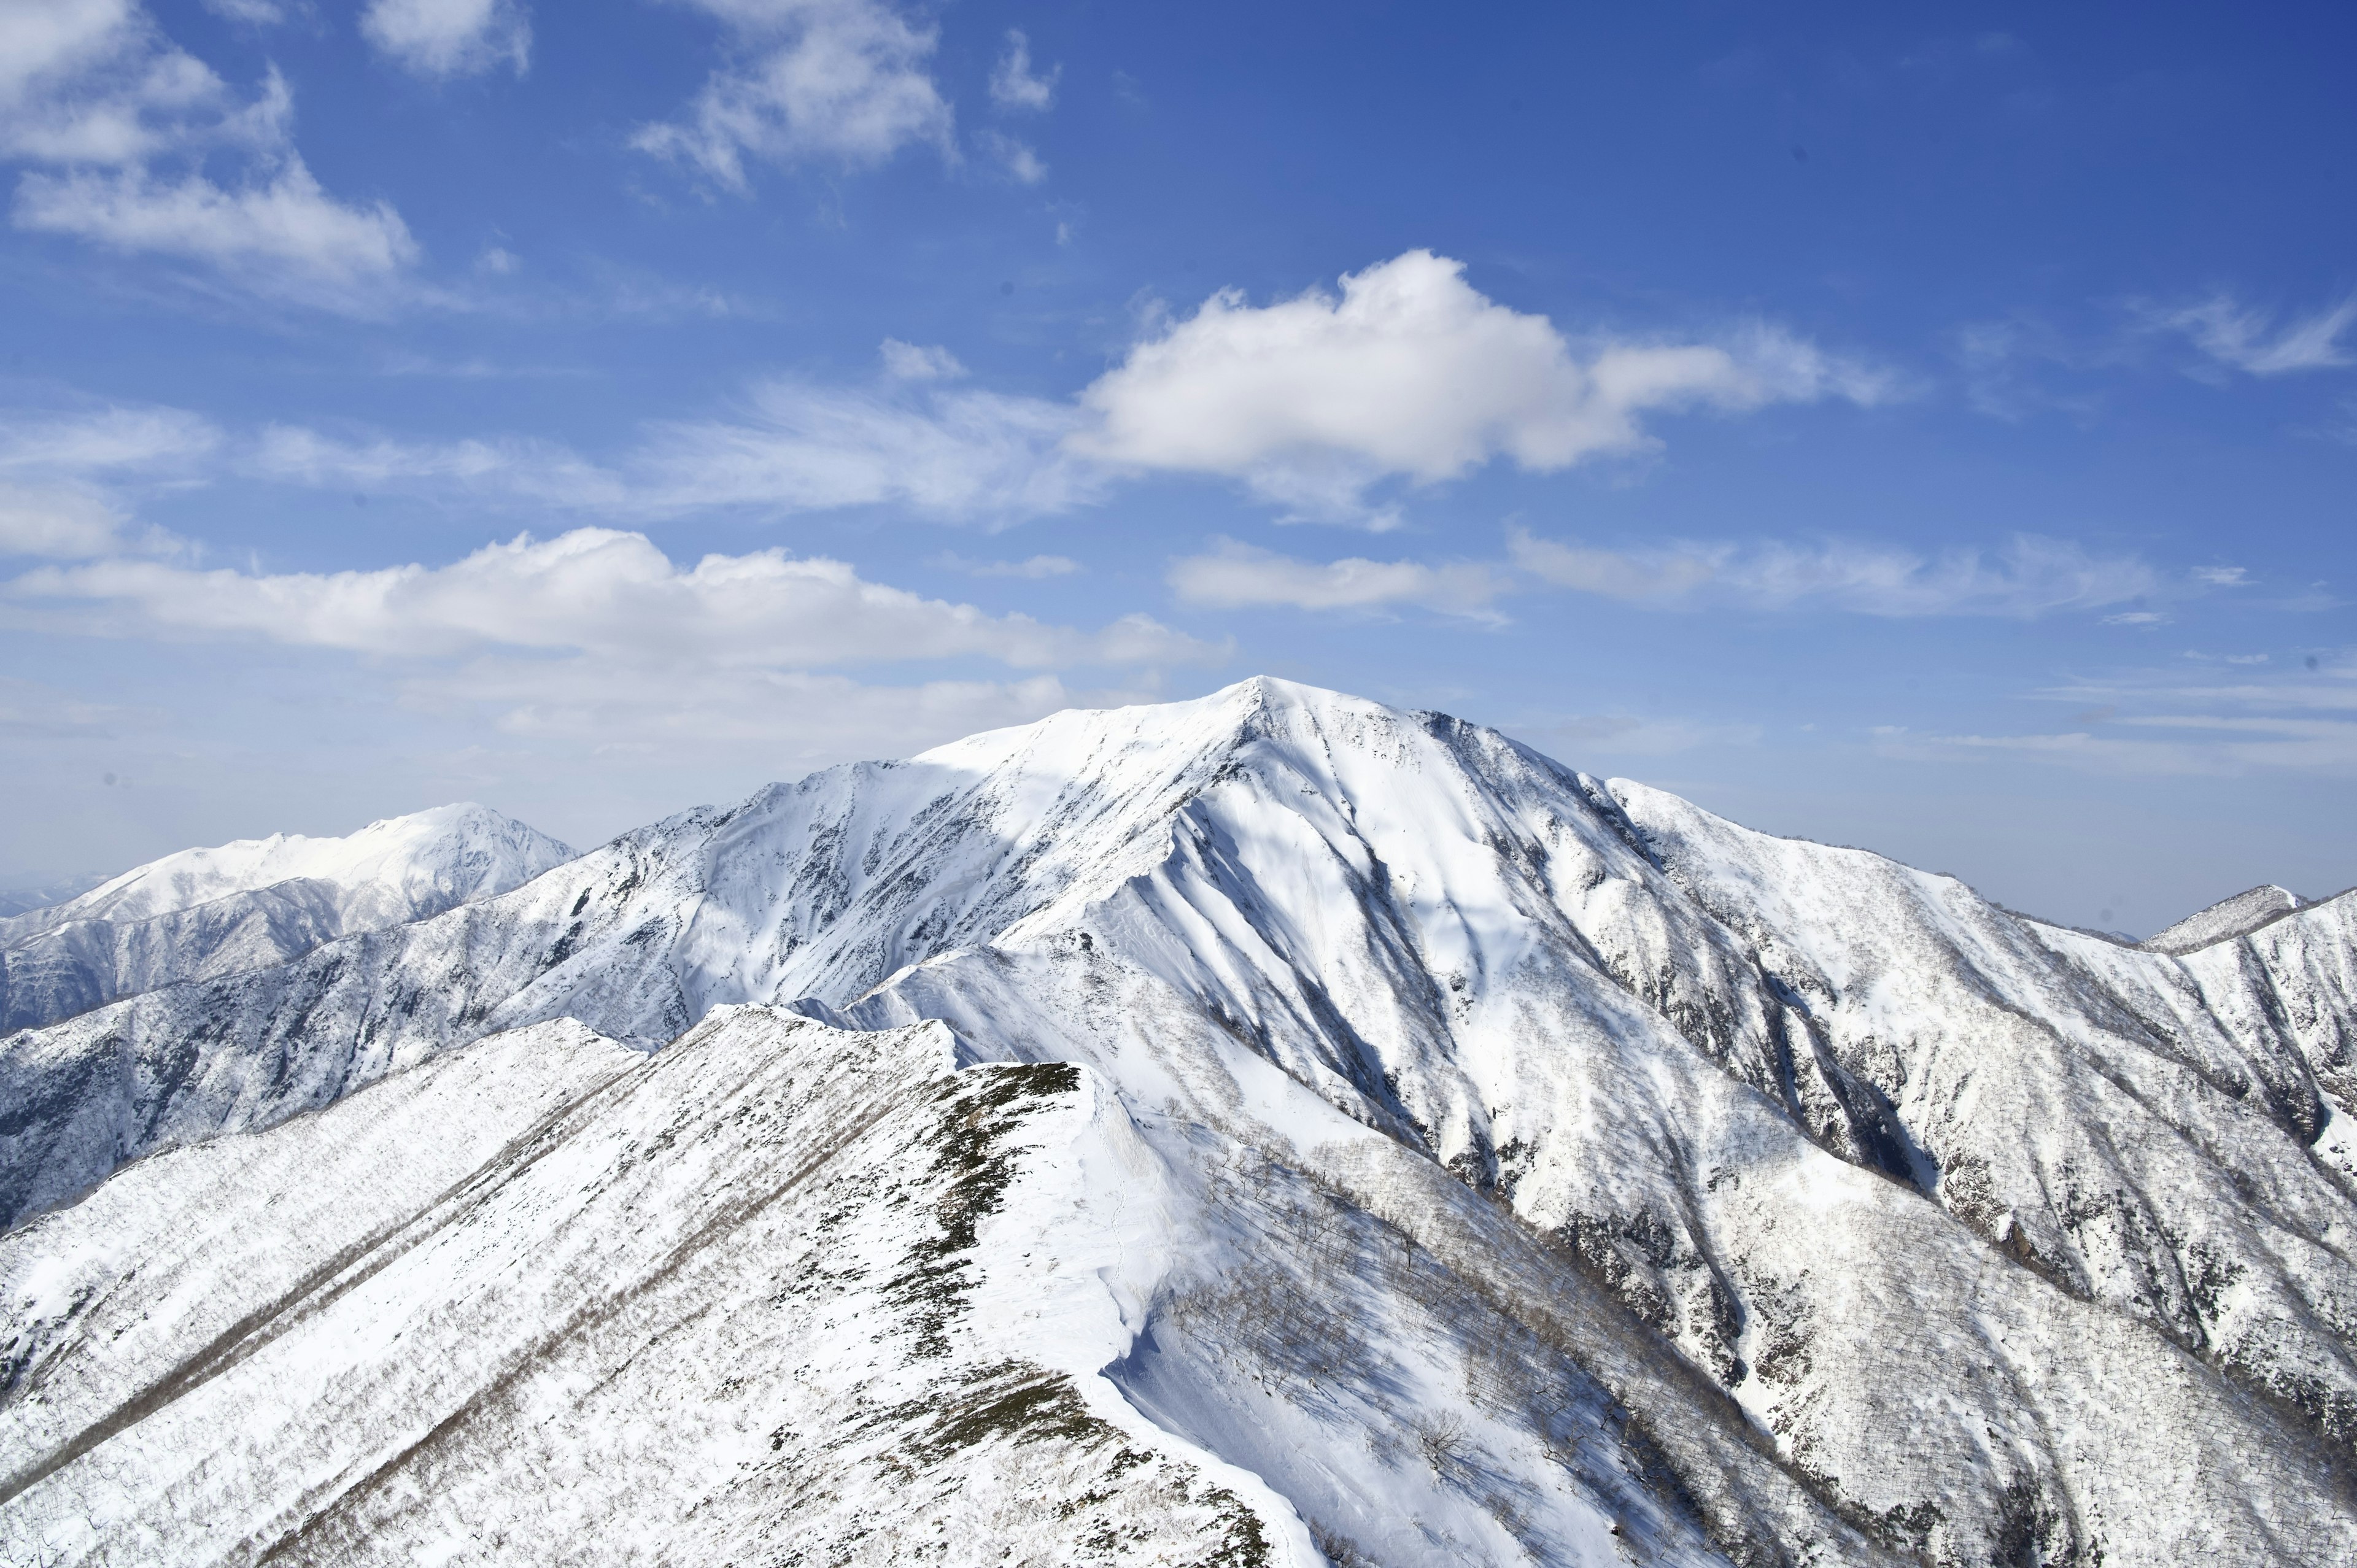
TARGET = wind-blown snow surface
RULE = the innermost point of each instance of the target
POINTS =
(206, 912)
(1773, 1199)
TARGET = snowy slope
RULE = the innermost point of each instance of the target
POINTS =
(254, 903)
(1888, 1222)
(777, 1294)
(2227, 917)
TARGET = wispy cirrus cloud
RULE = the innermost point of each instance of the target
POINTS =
(1244, 576)
(2257, 341)
(2028, 577)
(948, 452)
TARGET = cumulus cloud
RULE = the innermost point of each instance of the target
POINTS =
(449, 37)
(1236, 576)
(836, 81)
(601, 593)
(1411, 371)
(2249, 340)
(2029, 576)
(121, 125)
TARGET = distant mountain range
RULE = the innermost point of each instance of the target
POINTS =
(1270, 1129)
(257, 902)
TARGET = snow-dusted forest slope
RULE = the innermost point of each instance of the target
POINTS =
(1400, 1149)
(242, 905)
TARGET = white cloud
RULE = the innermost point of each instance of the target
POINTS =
(1034, 568)
(2030, 577)
(58, 523)
(1410, 372)
(2247, 339)
(841, 82)
(909, 362)
(108, 439)
(52, 502)
(449, 37)
(1236, 576)
(1020, 162)
(609, 596)
(126, 124)
(286, 227)
(2222, 576)
(254, 13)
(1014, 84)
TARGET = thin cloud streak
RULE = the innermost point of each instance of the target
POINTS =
(2248, 340)
(2029, 576)
(1243, 577)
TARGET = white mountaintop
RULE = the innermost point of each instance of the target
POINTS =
(437, 857)
(255, 902)
(2227, 917)
(1511, 1156)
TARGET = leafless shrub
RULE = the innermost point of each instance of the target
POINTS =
(1339, 1550)
(1440, 1438)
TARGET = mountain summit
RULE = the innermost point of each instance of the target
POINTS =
(1269, 1128)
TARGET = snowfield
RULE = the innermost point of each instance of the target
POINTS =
(1275, 1128)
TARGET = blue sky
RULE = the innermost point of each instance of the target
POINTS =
(1928, 429)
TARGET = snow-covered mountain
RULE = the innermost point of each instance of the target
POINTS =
(256, 902)
(2245, 912)
(1457, 1158)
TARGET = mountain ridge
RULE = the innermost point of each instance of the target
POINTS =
(1814, 1121)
